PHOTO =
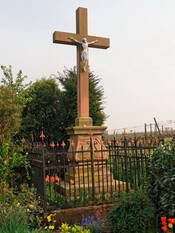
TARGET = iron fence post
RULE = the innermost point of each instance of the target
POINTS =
(44, 175)
(126, 163)
(92, 168)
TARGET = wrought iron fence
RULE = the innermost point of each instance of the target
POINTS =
(66, 178)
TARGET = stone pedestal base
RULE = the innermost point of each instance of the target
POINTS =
(88, 170)
(80, 136)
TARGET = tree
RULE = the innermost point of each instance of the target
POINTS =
(54, 110)
(68, 101)
(16, 84)
(42, 111)
(10, 114)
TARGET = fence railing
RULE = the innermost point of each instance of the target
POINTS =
(78, 178)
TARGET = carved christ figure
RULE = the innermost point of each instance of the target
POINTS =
(84, 53)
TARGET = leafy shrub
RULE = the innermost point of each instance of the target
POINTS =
(161, 179)
(132, 213)
(11, 157)
(25, 200)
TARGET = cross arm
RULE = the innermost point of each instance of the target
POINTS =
(102, 42)
(62, 38)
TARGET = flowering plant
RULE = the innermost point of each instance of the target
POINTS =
(50, 222)
(92, 223)
(167, 224)
(65, 228)
(24, 199)
(52, 179)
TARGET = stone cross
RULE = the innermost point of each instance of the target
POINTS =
(82, 40)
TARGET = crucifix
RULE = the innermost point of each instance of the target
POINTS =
(82, 40)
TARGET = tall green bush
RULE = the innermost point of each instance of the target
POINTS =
(161, 179)
(132, 213)
(10, 114)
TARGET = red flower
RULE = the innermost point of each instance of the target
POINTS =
(173, 220)
(52, 179)
(164, 228)
(57, 178)
(163, 219)
(47, 178)
(170, 220)
(164, 223)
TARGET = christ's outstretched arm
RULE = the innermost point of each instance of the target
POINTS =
(92, 42)
(76, 41)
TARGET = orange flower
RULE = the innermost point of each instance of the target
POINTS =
(52, 179)
(71, 181)
(47, 178)
(57, 178)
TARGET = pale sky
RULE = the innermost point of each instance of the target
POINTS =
(137, 71)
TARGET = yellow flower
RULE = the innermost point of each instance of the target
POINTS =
(45, 227)
(51, 227)
(64, 227)
(49, 218)
(28, 210)
(18, 204)
(86, 231)
(79, 228)
(74, 229)
(54, 221)
(31, 206)
(170, 225)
